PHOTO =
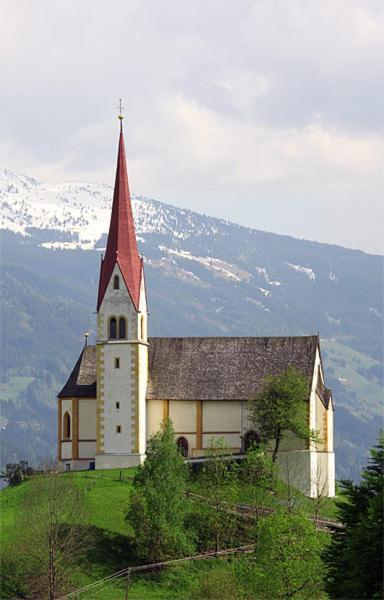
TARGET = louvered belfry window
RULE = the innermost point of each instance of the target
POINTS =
(122, 328)
(112, 328)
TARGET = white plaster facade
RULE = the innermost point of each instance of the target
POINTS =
(121, 386)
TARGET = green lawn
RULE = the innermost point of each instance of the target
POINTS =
(247, 495)
(106, 498)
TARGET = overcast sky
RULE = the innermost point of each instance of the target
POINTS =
(267, 113)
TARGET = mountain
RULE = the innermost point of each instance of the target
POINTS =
(205, 276)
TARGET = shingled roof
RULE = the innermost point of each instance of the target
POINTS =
(206, 368)
(82, 381)
(223, 368)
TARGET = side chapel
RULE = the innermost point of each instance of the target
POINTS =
(122, 388)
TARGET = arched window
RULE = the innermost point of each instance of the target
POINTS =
(251, 438)
(112, 328)
(67, 426)
(183, 446)
(122, 328)
(116, 282)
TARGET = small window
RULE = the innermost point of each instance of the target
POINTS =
(182, 444)
(118, 406)
(112, 328)
(118, 428)
(251, 440)
(122, 328)
(67, 426)
(116, 282)
(117, 363)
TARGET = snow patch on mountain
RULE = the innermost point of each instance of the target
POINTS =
(221, 267)
(310, 273)
(263, 272)
(82, 211)
(266, 293)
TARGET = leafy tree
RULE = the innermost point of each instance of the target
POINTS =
(219, 484)
(51, 533)
(287, 562)
(219, 583)
(258, 472)
(158, 503)
(357, 549)
(282, 405)
(15, 473)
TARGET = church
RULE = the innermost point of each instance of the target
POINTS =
(121, 389)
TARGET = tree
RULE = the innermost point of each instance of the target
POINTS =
(15, 473)
(357, 549)
(219, 484)
(258, 472)
(51, 533)
(282, 405)
(158, 503)
(287, 561)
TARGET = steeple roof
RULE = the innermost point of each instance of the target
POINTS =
(121, 245)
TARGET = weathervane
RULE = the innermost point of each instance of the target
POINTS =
(121, 110)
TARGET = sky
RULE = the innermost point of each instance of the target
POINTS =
(268, 113)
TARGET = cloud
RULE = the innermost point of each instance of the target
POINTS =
(273, 101)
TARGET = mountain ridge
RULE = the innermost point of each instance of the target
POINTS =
(94, 188)
(205, 276)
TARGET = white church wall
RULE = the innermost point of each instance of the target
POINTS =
(295, 468)
(121, 391)
(87, 419)
(232, 439)
(66, 406)
(221, 416)
(182, 413)
(154, 416)
(330, 416)
(323, 474)
(66, 450)
(87, 450)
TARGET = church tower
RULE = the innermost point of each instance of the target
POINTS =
(121, 346)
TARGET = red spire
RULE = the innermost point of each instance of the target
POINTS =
(121, 244)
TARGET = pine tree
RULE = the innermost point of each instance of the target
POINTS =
(158, 503)
(354, 558)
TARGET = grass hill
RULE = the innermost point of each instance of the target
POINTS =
(106, 499)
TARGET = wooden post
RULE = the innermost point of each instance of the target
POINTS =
(60, 433)
(127, 583)
(75, 428)
(165, 409)
(199, 424)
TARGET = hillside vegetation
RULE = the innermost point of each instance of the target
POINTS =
(106, 495)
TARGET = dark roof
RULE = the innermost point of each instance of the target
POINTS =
(82, 381)
(206, 368)
(223, 368)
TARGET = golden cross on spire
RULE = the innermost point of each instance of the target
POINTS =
(121, 110)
